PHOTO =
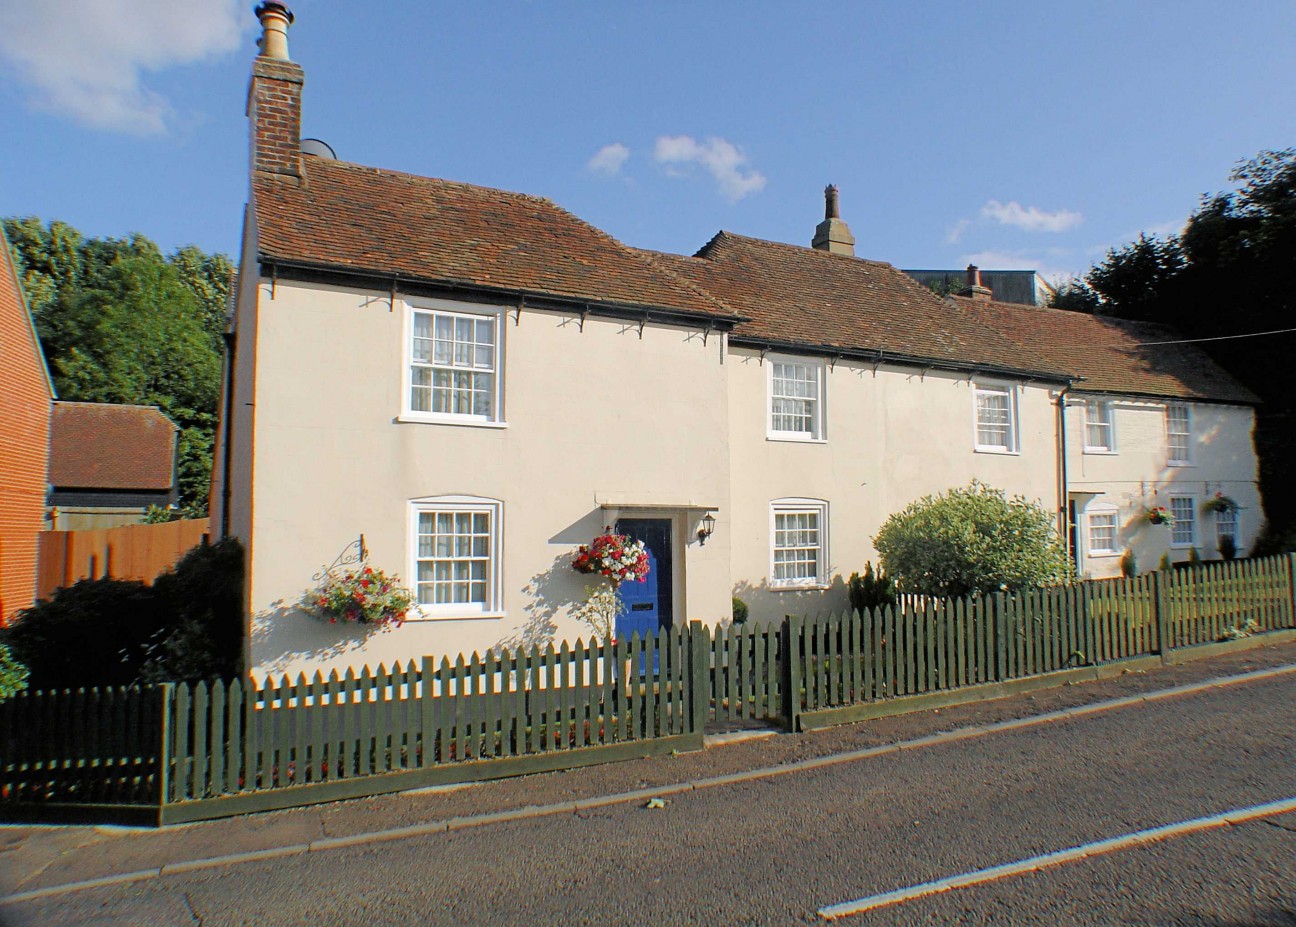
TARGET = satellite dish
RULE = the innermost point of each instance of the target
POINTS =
(318, 149)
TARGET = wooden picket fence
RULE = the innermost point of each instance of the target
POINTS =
(180, 752)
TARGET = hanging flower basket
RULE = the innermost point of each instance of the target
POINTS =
(363, 596)
(1159, 515)
(1220, 503)
(618, 557)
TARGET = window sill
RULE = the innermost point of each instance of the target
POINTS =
(428, 419)
(792, 438)
(1001, 451)
(1099, 554)
(474, 617)
(1188, 546)
(1100, 451)
(805, 587)
(1179, 463)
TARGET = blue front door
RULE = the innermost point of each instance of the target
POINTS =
(648, 605)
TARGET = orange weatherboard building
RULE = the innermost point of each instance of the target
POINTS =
(26, 397)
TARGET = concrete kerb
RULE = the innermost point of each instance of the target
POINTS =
(570, 807)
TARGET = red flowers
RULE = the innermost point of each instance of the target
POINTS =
(616, 556)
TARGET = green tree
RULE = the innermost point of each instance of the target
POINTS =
(971, 541)
(120, 322)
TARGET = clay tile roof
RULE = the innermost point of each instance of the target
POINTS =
(1113, 355)
(364, 219)
(802, 296)
(95, 445)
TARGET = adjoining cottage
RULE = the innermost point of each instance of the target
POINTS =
(470, 383)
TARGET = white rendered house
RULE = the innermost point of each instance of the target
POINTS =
(477, 382)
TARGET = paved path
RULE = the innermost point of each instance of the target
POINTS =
(771, 849)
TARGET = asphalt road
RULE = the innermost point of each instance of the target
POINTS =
(776, 850)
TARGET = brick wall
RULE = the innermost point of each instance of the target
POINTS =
(25, 403)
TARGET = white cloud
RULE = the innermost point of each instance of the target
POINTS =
(1049, 264)
(1031, 218)
(84, 58)
(721, 158)
(955, 231)
(609, 159)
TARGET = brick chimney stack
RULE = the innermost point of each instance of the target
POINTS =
(832, 234)
(974, 289)
(274, 98)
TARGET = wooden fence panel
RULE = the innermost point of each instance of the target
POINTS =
(141, 552)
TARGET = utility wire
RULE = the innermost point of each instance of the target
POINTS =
(1276, 331)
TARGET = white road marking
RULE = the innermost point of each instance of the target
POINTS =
(1048, 860)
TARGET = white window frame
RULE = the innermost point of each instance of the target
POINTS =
(1008, 390)
(818, 426)
(1234, 520)
(1171, 459)
(799, 506)
(493, 606)
(1107, 421)
(454, 310)
(1188, 503)
(1103, 512)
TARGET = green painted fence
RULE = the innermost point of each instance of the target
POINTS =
(184, 752)
(181, 752)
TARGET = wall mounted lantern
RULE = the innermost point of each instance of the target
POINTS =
(706, 528)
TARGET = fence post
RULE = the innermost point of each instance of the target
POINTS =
(1291, 579)
(427, 741)
(1001, 636)
(1160, 608)
(792, 671)
(164, 747)
(699, 675)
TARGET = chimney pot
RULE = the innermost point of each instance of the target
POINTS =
(832, 234)
(975, 289)
(275, 18)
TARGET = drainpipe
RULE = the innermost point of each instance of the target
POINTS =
(226, 492)
(1064, 509)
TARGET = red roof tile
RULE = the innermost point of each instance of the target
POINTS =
(348, 216)
(798, 295)
(1112, 355)
(96, 445)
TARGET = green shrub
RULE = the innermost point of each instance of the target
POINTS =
(971, 541)
(1129, 565)
(13, 675)
(740, 611)
(1165, 563)
(204, 594)
(1227, 547)
(870, 590)
(1194, 556)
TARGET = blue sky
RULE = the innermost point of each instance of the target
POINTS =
(1026, 134)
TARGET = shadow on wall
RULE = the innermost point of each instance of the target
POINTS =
(767, 604)
(548, 593)
(295, 637)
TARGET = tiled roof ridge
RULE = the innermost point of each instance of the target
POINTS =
(969, 303)
(330, 163)
(115, 405)
(724, 233)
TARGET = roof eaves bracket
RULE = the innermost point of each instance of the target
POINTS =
(706, 333)
(517, 312)
(391, 302)
(764, 351)
(584, 316)
(642, 323)
(274, 279)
